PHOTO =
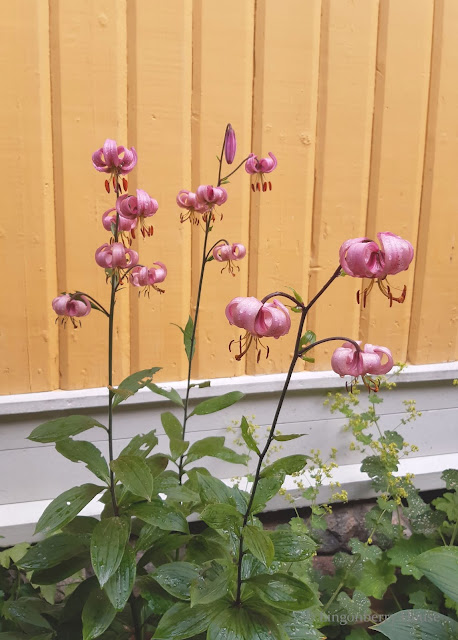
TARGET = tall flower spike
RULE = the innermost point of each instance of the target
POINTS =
(138, 208)
(363, 258)
(114, 159)
(68, 306)
(347, 361)
(260, 320)
(144, 277)
(254, 166)
(229, 253)
(114, 256)
(230, 144)
(193, 208)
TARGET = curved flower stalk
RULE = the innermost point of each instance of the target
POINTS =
(257, 167)
(363, 258)
(144, 277)
(229, 253)
(260, 320)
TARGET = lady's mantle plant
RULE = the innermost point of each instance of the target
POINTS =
(141, 572)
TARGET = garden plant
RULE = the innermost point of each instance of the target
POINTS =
(141, 571)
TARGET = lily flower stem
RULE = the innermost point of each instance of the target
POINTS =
(196, 315)
(114, 286)
(193, 340)
(270, 437)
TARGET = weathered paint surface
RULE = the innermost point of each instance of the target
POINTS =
(356, 98)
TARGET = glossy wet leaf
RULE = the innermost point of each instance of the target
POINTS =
(62, 428)
(285, 466)
(181, 621)
(367, 552)
(52, 551)
(98, 614)
(450, 477)
(171, 394)
(27, 613)
(301, 625)
(133, 383)
(405, 552)
(213, 490)
(61, 571)
(212, 584)
(244, 623)
(267, 488)
(172, 426)
(134, 474)
(258, 542)
(161, 515)
(119, 586)
(376, 578)
(82, 451)
(176, 578)
(291, 546)
(441, 567)
(355, 608)
(213, 446)
(248, 437)
(222, 516)
(66, 507)
(418, 624)
(141, 445)
(283, 591)
(217, 404)
(107, 546)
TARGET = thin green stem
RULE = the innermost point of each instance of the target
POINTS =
(114, 285)
(232, 172)
(205, 256)
(193, 340)
(455, 530)
(270, 437)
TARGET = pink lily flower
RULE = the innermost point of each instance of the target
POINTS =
(260, 320)
(347, 361)
(138, 208)
(255, 166)
(114, 159)
(229, 253)
(113, 256)
(194, 209)
(144, 277)
(76, 306)
(230, 144)
(363, 258)
(125, 225)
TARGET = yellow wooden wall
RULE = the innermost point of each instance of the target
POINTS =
(358, 99)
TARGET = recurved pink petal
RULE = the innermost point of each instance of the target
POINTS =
(398, 253)
(243, 311)
(110, 153)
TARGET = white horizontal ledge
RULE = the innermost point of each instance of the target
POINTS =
(18, 520)
(47, 401)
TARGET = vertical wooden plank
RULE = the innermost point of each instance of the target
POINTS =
(159, 77)
(222, 93)
(88, 58)
(28, 339)
(400, 112)
(346, 99)
(433, 329)
(284, 121)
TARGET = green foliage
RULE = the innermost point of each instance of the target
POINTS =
(258, 542)
(212, 405)
(65, 507)
(133, 383)
(63, 428)
(171, 395)
(418, 623)
(134, 474)
(108, 543)
(81, 451)
(440, 565)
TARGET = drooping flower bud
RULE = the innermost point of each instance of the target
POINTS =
(230, 144)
